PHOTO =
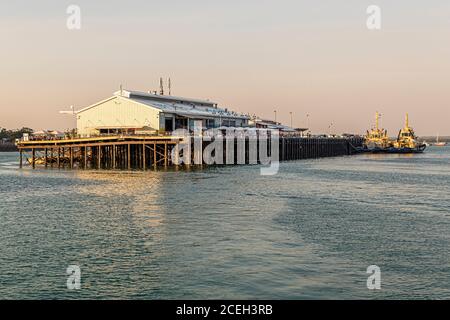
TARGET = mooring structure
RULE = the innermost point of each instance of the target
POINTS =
(144, 152)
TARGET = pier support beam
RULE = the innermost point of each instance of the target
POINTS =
(143, 157)
(129, 157)
(114, 156)
(58, 159)
(99, 157)
(154, 155)
(85, 158)
(71, 157)
(165, 154)
(34, 158)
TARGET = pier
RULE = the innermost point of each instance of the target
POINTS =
(146, 152)
(134, 130)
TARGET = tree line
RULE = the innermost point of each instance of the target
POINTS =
(12, 135)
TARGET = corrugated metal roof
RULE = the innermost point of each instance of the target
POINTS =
(158, 97)
(190, 110)
(175, 105)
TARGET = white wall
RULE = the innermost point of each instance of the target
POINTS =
(115, 113)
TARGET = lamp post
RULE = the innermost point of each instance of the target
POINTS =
(330, 128)
(275, 112)
(291, 118)
(307, 120)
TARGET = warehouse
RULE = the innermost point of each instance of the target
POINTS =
(134, 112)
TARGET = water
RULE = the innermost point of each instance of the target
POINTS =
(309, 232)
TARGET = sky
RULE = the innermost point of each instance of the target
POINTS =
(315, 58)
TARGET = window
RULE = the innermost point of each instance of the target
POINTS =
(210, 123)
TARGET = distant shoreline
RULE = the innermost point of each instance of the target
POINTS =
(8, 147)
(432, 139)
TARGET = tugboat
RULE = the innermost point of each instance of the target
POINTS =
(407, 141)
(377, 140)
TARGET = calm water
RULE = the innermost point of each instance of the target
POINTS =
(309, 232)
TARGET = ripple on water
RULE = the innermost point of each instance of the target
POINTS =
(227, 232)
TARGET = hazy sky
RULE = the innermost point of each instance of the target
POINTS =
(306, 57)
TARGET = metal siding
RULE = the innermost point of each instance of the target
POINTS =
(117, 113)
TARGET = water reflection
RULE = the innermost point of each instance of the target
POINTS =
(227, 232)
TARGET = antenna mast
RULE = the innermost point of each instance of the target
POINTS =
(377, 120)
(161, 87)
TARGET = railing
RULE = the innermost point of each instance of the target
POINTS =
(191, 133)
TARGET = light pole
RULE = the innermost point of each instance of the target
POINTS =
(275, 112)
(307, 120)
(291, 118)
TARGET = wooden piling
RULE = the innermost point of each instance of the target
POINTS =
(34, 158)
(154, 155)
(85, 158)
(165, 154)
(143, 156)
(129, 157)
(58, 159)
(99, 157)
(114, 156)
(71, 157)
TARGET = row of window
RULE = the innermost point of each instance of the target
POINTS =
(182, 123)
